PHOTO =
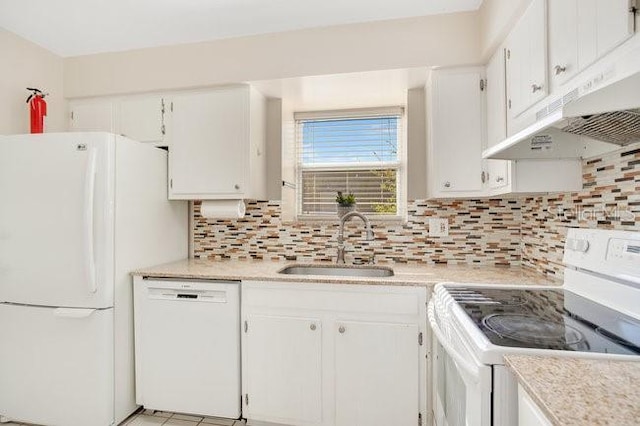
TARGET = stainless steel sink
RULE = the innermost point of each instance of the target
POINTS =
(338, 271)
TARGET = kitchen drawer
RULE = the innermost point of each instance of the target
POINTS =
(371, 299)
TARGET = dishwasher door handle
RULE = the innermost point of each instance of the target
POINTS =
(182, 295)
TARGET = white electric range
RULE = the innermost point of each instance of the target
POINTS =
(595, 314)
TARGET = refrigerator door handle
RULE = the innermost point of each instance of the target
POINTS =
(72, 313)
(89, 198)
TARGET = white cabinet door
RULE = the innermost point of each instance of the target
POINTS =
(376, 374)
(499, 174)
(496, 99)
(527, 60)
(537, 35)
(529, 414)
(563, 41)
(581, 31)
(498, 170)
(210, 144)
(601, 26)
(614, 24)
(142, 119)
(283, 369)
(92, 116)
(456, 132)
(586, 33)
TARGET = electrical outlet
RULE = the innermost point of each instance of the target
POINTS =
(438, 227)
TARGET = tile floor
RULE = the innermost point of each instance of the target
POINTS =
(151, 418)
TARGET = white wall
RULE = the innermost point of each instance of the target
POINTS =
(416, 145)
(24, 64)
(274, 149)
(439, 40)
(288, 152)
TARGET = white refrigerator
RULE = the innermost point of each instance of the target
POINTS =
(78, 212)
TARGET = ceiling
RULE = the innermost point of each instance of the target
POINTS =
(344, 91)
(80, 27)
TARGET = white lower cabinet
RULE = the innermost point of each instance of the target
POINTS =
(376, 364)
(283, 369)
(529, 414)
(334, 355)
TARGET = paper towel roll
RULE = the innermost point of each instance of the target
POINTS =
(223, 209)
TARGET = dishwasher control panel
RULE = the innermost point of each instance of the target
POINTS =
(189, 291)
(216, 296)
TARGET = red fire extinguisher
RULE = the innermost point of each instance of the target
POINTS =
(37, 108)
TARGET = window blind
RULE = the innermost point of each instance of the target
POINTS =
(355, 154)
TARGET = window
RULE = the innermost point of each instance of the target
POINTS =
(358, 152)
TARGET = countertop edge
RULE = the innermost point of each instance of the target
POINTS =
(408, 275)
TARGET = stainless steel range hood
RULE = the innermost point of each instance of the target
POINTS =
(599, 114)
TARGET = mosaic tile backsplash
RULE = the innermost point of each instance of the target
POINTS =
(511, 231)
(480, 232)
(610, 199)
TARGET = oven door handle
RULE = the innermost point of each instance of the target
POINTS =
(464, 365)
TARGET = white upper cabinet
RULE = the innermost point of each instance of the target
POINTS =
(95, 115)
(563, 40)
(141, 118)
(582, 31)
(505, 177)
(455, 110)
(496, 99)
(527, 59)
(614, 23)
(217, 149)
(499, 171)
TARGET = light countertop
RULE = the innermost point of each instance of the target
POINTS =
(404, 274)
(577, 392)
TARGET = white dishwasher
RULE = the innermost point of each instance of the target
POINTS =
(187, 346)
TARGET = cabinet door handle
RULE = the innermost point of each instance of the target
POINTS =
(559, 69)
(447, 185)
(535, 88)
(341, 329)
(313, 327)
(484, 176)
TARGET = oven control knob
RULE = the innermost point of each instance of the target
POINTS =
(581, 246)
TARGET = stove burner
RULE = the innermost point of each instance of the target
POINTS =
(531, 329)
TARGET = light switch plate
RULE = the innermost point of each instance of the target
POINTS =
(438, 227)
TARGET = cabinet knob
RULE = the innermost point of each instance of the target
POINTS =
(535, 88)
(313, 327)
(559, 69)
(447, 185)
(236, 186)
(341, 329)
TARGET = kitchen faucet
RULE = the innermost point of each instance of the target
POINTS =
(343, 220)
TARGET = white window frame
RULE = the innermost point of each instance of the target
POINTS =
(400, 165)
